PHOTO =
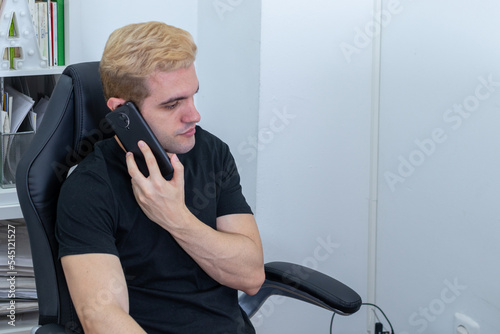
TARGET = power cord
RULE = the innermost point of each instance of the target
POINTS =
(366, 304)
(331, 323)
(378, 308)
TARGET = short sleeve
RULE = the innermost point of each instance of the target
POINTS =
(85, 216)
(231, 200)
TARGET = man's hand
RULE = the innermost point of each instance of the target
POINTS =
(161, 200)
(231, 255)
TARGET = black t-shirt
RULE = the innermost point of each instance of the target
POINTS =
(168, 291)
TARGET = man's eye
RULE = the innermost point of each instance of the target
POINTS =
(172, 106)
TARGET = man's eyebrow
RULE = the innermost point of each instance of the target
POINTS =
(177, 98)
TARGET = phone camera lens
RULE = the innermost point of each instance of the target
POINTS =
(124, 120)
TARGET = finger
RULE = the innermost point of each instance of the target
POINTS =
(132, 168)
(178, 168)
(153, 167)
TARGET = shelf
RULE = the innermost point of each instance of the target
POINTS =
(18, 330)
(9, 204)
(41, 71)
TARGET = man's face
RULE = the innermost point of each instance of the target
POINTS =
(169, 109)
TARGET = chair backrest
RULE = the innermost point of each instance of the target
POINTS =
(73, 122)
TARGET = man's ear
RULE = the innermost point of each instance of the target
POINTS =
(115, 102)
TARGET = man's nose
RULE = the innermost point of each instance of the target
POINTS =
(192, 115)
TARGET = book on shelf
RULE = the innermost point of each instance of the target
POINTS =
(60, 33)
(48, 22)
(56, 32)
(42, 27)
(50, 28)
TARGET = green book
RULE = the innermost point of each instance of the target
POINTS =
(60, 33)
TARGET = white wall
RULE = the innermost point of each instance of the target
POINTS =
(228, 66)
(313, 166)
(438, 217)
(90, 22)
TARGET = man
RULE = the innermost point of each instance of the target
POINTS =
(146, 254)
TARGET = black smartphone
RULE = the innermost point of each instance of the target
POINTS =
(130, 127)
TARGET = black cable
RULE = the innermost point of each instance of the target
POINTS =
(365, 304)
(331, 323)
(378, 308)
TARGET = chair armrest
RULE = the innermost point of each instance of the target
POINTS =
(49, 329)
(302, 283)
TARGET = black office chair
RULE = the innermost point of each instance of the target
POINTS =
(74, 121)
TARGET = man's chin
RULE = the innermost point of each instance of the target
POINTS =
(183, 148)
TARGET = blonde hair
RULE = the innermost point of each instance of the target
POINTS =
(135, 51)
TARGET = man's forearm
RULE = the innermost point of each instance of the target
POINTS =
(107, 320)
(233, 259)
(99, 292)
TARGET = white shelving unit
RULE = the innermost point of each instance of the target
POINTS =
(17, 330)
(9, 203)
(29, 64)
(41, 71)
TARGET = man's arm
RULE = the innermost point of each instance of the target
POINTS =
(232, 254)
(99, 292)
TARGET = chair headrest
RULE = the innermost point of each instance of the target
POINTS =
(73, 123)
(89, 109)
